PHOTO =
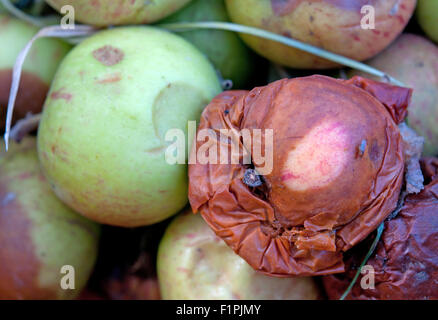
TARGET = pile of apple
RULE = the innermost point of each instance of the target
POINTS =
(91, 189)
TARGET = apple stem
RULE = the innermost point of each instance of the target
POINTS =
(228, 26)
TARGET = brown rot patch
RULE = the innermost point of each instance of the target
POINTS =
(108, 55)
(19, 267)
(61, 94)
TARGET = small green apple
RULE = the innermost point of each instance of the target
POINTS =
(38, 233)
(224, 49)
(38, 69)
(193, 263)
(101, 139)
(413, 59)
(427, 15)
(119, 12)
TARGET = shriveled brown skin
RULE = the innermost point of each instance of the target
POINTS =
(334, 25)
(323, 195)
(406, 259)
(30, 99)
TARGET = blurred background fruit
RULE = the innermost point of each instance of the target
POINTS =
(413, 60)
(193, 263)
(331, 25)
(120, 12)
(427, 16)
(101, 139)
(224, 49)
(38, 233)
(38, 69)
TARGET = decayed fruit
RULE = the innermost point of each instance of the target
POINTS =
(224, 49)
(38, 69)
(427, 15)
(337, 170)
(334, 25)
(119, 12)
(405, 264)
(38, 233)
(193, 263)
(101, 139)
(414, 61)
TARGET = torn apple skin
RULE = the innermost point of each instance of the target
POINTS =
(406, 259)
(322, 197)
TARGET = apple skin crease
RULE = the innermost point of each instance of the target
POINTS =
(329, 24)
(101, 140)
(38, 233)
(338, 167)
(193, 263)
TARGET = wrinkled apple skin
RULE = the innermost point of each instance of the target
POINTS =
(101, 139)
(413, 60)
(330, 24)
(38, 233)
(224, 49)
(38, 69)
(193, 263)
(119, 12)
(427, 16)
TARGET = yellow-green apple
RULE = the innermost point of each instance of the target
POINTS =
(119, 12)
(102, 137)
(193, 263)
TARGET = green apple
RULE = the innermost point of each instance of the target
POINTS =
(224, 49)
(101, 139)
(38, 69)
(427, 16)
(413, 59)
(333, 25)
(193, 263)
(38, 233)
(119, 12)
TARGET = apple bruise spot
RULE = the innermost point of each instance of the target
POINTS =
(108, 55)
(60, 94)
(318, 158)
(110, 78)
